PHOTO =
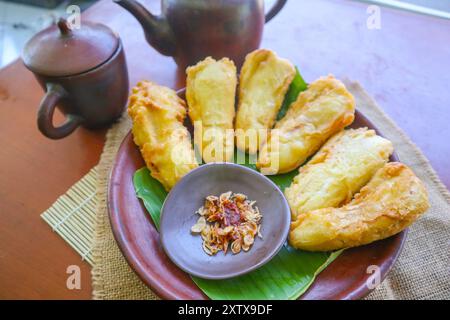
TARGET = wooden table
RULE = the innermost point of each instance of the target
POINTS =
(405, 65)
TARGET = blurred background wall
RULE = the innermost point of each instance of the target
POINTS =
(20, 19)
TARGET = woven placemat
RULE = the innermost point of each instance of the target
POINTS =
(72, 216)
(423, 268)
(422, 271)
(112, 277)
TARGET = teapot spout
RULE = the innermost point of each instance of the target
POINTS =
(156, 28)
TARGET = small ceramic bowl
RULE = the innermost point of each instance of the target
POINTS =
(178, 215)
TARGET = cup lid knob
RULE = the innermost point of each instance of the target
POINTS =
(64, 27)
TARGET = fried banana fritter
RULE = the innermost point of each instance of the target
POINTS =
(263, 83)
(388, 204)
(345, 163)
(324, 109)
(211, 94)
(157, 114)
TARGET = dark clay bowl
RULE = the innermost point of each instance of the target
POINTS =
(178, 215)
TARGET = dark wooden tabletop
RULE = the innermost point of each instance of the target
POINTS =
(405, 65)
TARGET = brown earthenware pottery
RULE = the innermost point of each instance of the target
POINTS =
(190, 30)
(345, 278)
(178, 215)
(83, 72)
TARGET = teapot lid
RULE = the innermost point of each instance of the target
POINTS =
(62, 51)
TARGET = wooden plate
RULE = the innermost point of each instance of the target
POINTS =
(139, 241)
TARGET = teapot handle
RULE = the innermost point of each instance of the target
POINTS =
(45, 114)
(278, 5)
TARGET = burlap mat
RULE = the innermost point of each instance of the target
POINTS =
(422, 271)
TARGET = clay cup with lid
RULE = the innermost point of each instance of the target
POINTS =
(84, 74)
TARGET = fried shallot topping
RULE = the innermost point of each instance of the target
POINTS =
(230, 219)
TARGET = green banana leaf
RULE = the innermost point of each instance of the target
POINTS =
(151, 192)
(298, 85)
(287, 276)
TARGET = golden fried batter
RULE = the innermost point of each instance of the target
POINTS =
(388, 204)
(264, 81)
(340, 169)
(324, 109)
(157, 114)
(211, 94)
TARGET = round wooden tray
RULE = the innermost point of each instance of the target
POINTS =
(139, 241)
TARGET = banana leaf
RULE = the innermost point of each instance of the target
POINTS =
(151, 192)
(298, 85)
(287, 276)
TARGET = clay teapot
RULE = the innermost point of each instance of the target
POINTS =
(190, 30)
